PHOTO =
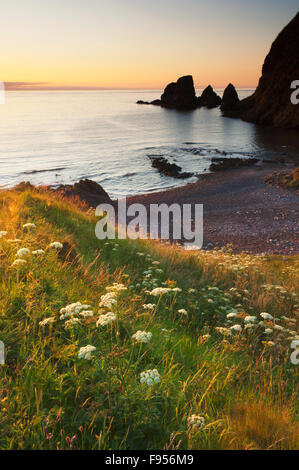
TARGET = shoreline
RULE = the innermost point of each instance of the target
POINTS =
(239, 209)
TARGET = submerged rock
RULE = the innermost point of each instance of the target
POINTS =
(154, 102)
(271, 103)
(209, 98)
(180, 95)
(219, 164)
(230, 101)
(169, 169)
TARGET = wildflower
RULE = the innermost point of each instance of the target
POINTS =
(86, 313)
(56, 245)
(19, 262)
(47, 321)
(268, 331)
(3, 233)
(270, 343)
(183, 312)
(236, 328)
(249, 319)
(176, 289)
(223, 331)
(142, 336)
(156, 263)
(197, 422)
(38, 252)
(108, 300)
(23, 252)
(266, 316)
(231, 315)
(278, 327)
(150, 377)
(192, 291)
(160, 291)
(72, 309)
(149, 306)
(106, 319)
(85, 353)
(206, 337)
(29, 225)
(116, 288)
(69, 323)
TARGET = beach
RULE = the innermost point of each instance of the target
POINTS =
(240, 209)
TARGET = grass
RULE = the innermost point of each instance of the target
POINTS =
(243, 385)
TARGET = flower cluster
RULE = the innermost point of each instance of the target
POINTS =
(150, 377)
(108, 300)
(105, 320)
(74, 309)
(47, 321)
(142, 336)
(86, 352)
(196, 422)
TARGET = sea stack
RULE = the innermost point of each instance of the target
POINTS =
(230, 101)
(271, 103)
(209, 98)
(180, 95)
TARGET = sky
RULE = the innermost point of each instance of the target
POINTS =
(136, 44)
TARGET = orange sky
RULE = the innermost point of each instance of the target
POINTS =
(136, 44)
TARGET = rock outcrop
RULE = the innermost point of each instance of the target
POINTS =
(271, 103)
(220, 164)
(209, 98)
(169, 169)
(230, 101)
(87, 190)
(154, 102)
(180, 95)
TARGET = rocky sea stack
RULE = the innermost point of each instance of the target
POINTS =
(271, 103)
(180, 95)
(209, 98)
(230, 101)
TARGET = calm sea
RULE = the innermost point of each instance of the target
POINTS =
(61, 137)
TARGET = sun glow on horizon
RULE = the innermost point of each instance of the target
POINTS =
(136, 44)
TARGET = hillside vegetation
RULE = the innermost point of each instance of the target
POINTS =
(220, 372)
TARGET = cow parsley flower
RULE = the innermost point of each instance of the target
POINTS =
(86, 313)
(86, 352)
(196, 422)
(142, 336)
(156, 263)
(29, 225)
(69, 323)
(73, 309)
(176, 289)
(160, 291)
(223, 331)
(149, 306)
(56, 245)
(3, 233)
(266, 316)
(231, 315)
(250, 319)
(38, 252)
(108, 300)
(19, 262)
(23, 252)
(47, 321)
(268, 331)
(150, 377)
(183, 312)
(236, 328)
(106, 319)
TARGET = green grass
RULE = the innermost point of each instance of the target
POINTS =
(51, 399)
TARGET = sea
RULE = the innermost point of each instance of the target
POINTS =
(60, 137)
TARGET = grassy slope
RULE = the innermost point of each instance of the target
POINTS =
(50, 399)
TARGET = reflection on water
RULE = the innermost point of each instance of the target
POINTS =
(60, 137)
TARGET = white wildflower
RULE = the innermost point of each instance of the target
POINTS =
(23, 252)
(249, 319)
(268, 331)
(56, 245)
(142, 336)
(197, 422)
(86, 313)
(236, 328)
(160, 291)
(69, 323)
(85, 353)
(183, 312)
(47, 321)
(223, 331)
(38, 252)
(149, 306)
(106, 319)
(73, 309)
(19, 262)
(108, 300)
(29, 225)
(231, 315)
(176, 289)
(3, 233)
(150, 377)
(116, 288)
(266, 316)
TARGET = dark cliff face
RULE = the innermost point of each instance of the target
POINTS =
(271, 103)
(180, 95)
